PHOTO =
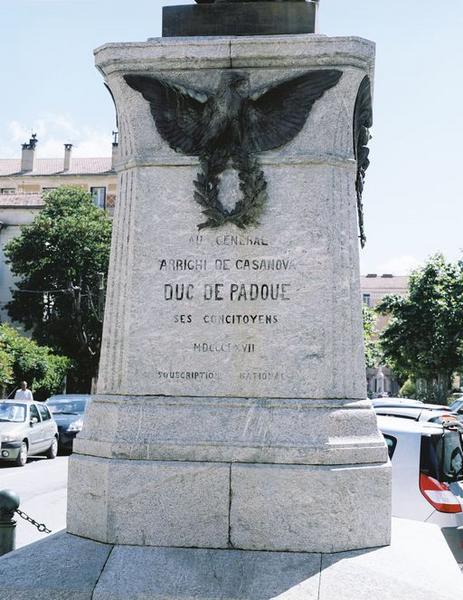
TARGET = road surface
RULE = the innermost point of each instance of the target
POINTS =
(41, 486)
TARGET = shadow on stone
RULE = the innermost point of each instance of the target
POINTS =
(60, 566)
(207, 574)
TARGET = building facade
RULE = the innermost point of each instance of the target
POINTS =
(24, 180)
(32, 175)
(381, 380)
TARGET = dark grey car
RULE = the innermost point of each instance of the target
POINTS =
(68, 411)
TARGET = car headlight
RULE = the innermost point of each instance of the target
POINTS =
(9, 438)
(75, 425)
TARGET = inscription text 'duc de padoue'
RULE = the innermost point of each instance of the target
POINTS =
(234, 292)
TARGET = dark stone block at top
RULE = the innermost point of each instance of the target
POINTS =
(239, 18)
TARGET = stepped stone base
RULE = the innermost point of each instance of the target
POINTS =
(241, 473)
(240, 506)
(417, 566)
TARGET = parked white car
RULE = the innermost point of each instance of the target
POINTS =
(390, 401)
(427, 474)
(457, 406)
(412, 409)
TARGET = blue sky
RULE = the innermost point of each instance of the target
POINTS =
(413, 196)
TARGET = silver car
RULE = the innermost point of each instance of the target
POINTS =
(26, 428)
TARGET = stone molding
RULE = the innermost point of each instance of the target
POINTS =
(287, 431)
(305, 50)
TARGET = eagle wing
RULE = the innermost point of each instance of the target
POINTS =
(273, 116)
(180, 114)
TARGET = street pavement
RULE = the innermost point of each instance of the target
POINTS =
(41, 486)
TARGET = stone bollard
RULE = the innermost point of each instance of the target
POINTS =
(9, 502)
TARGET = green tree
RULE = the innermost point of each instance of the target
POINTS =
(424, 337)
(62, 260)
(372, 351)
(26, 360)
(6, 371)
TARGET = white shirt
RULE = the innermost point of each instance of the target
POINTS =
(23, 395)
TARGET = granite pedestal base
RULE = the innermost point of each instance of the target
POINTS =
(254, 474)
(220, 505)
(417, 566)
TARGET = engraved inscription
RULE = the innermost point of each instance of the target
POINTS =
(242, 278)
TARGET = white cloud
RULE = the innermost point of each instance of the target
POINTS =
(53, 131)
(399, 265)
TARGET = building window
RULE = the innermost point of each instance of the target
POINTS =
(366, 298)
(49, 189)
(30, 189)
(7, 190)
(99, 196)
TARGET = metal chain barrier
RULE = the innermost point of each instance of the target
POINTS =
(40, 526)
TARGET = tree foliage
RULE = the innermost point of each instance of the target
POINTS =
(61, 260)
(23, 359)
(6, 370)
(408, 390)
(424, 337)
(372, 351)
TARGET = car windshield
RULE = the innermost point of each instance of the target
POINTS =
(67, 406)
(12, 413)
(442, 456)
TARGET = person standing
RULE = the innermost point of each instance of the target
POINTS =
(23, 393)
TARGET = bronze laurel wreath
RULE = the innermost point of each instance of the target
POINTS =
(252, 185)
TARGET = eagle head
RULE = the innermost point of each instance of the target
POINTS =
(234, 80)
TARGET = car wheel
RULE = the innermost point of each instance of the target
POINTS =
(52, 450)
(22, 456)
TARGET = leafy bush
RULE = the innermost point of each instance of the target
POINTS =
(408, 390)
(23, 359)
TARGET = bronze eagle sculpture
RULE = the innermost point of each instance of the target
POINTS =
(230, 127)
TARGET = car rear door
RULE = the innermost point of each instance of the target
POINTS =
(35, 431)
(407, 500)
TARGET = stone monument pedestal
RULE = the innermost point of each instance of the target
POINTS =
(231, 398)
